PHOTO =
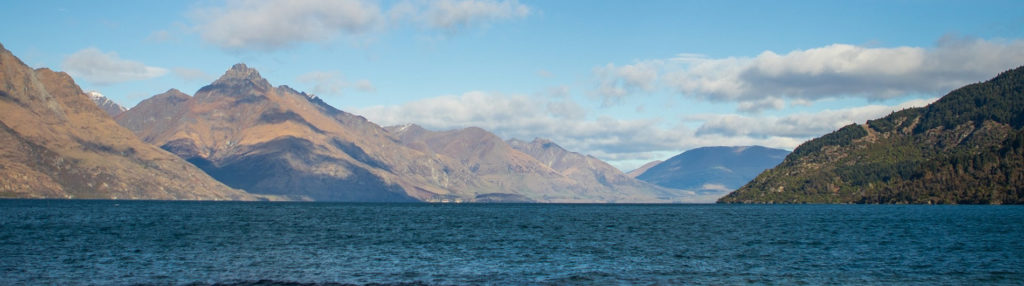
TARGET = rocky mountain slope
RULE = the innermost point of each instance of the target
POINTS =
(275, 140)
(56, 143)
(966, 148)
(104, 103)
(713, 170)
(539, 171)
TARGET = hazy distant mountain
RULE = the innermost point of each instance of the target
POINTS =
(967, 147)
(638, 171)
(589, 170)
(713, 169)
(107, 105)
(594, 173)
(540, 171)
(56, 143)
(275, 140)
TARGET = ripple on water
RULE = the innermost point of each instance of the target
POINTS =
(107, 242)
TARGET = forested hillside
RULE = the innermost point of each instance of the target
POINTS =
(966, 148)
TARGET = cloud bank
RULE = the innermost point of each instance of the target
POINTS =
(278, 24)
(837, 70)
(800, 125)
(272, 25)
(452, 15)
(102, 68)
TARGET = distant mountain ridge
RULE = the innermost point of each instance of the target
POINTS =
(717, 170)
(965, 148)
(540, 170)
(596, 174)
(640, 170)
(56, 143)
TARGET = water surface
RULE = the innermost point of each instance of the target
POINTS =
(174, 243)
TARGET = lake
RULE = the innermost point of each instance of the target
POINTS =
(174, 243)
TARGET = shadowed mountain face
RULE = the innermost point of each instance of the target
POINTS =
(540, 170)
(966, 148)
(56, 143)
(275, 140)
(716, 170)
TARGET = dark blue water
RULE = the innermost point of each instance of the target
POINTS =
(119, 242)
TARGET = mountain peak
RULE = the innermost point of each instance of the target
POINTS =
(94, 94)
(539, 140)
(546, 143)
(104, 103)
(241, 72)
(173, 93)
(242, 68)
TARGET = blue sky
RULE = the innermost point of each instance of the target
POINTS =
(625, 81)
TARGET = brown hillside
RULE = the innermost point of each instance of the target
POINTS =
(275, 140)
(56, 143)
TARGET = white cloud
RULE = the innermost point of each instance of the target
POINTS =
(333, 83)
(761, 104)
(102, 68)
(324, 82)
(278, 24)
(566, 109)
(796, 126)
(364, 86)
(836, 70)
(615, 82)
(452, 15)
(556, 92)
(161, 36)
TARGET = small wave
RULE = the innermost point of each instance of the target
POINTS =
(267, 282)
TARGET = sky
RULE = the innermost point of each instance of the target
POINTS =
(627, 82)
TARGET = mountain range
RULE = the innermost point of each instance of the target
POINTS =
(271, 140)
(275, 140)
(965, 148)
(539, 170)
(56, 143)
(241, 138)
(712, 170)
